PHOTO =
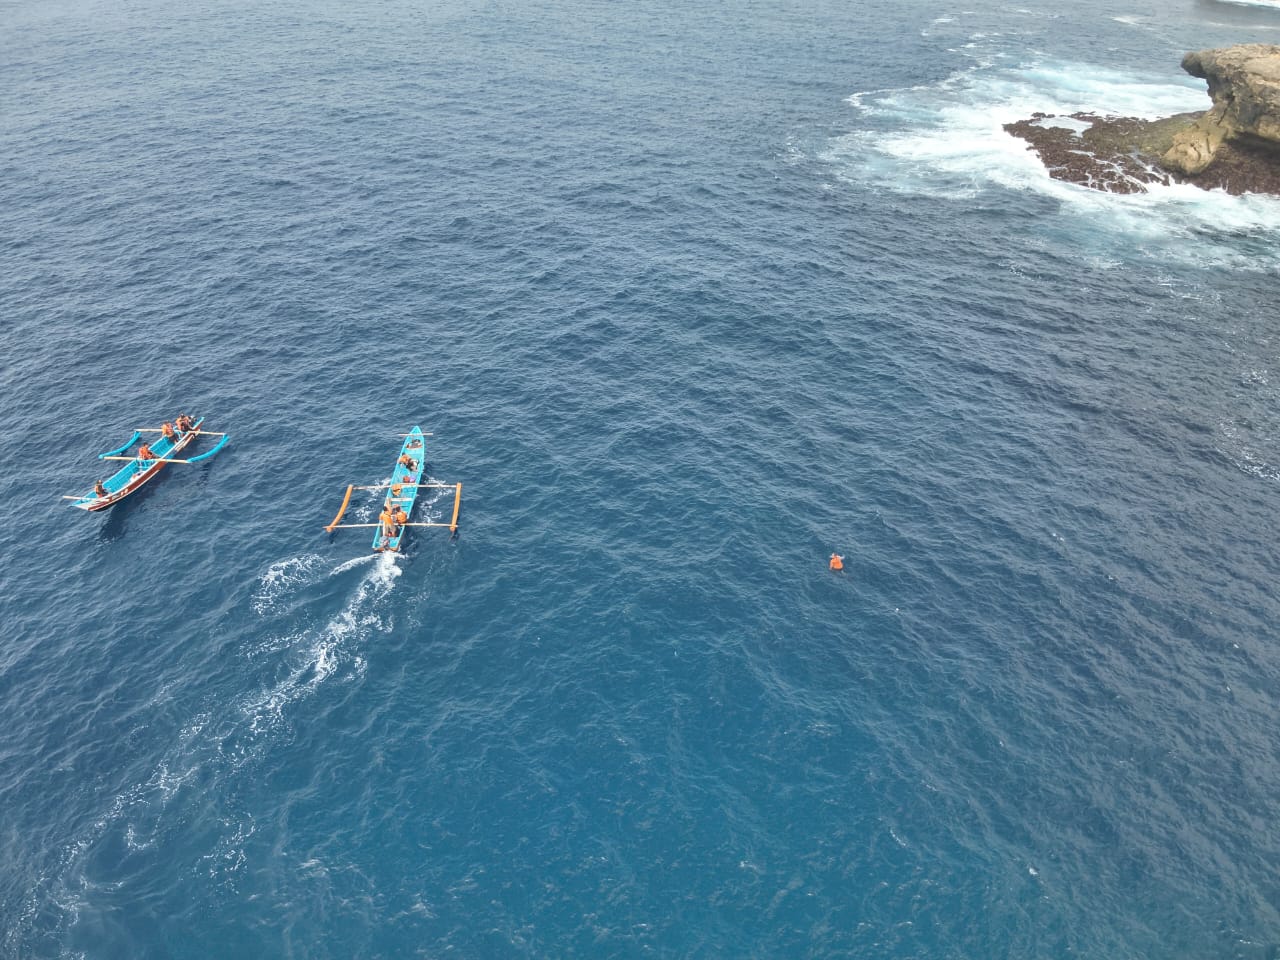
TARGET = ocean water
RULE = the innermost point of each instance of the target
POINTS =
(690, 296)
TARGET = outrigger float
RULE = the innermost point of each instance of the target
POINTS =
(402, 493)
(129, 478)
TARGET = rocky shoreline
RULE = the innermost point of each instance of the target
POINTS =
(1234, 146)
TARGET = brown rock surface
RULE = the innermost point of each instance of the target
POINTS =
(1244, 82)
(1234, 146)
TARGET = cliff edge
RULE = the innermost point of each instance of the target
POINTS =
(1244, 83)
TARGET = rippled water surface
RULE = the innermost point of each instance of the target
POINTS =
(690, 296)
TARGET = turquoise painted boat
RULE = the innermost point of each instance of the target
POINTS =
(137, 471)
(405, 485)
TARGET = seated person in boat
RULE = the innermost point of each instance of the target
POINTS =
(388, 521)
(184, 423)
(144, 453)
(167, 431)
(408, 462)
(98, 489)
(399, 516)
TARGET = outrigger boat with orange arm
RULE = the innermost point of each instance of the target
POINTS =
(131, 477)
(402, 493)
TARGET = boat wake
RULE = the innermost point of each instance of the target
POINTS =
(280, 579)
(314, 655)
(210, 755)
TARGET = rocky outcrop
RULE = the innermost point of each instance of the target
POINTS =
(1114, 154)
(1234, 146)
(1244, 83)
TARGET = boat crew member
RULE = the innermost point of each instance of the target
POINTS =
(408, 462)
(98, 489)
(837, 562)
(144, 453)
(388, 521)
(184, 423)
(400, 517)
(166, 429)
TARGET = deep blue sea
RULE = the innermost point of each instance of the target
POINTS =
(691, 295)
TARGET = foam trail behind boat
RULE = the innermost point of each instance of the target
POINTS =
(221, 742)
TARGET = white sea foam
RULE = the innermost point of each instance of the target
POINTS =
(947, 140)
(280, 579)
(1269, 4)
(319, 652)
(365, 559)
(229, 741)
(1237, 446)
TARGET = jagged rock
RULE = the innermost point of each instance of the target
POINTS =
(1099, 152)
(1234, 146)
(1244, 82)
(1195, 146)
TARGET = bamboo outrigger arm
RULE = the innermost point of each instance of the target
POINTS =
(152, 460)
(336, 523)
(203, 433)
(353, 526)
(204, 456)
(387, 486)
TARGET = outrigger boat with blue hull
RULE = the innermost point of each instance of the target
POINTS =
(402, 493)
(129, 478)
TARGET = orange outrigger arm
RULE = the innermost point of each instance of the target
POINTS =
(341, 510)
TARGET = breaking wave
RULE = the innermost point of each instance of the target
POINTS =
(947, 141)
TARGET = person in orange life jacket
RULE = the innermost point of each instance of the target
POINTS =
(388, 520)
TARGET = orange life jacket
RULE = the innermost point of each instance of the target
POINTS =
(401, 516)
(836, 563)
(144, 453)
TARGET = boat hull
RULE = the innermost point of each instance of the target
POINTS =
(415, 446)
